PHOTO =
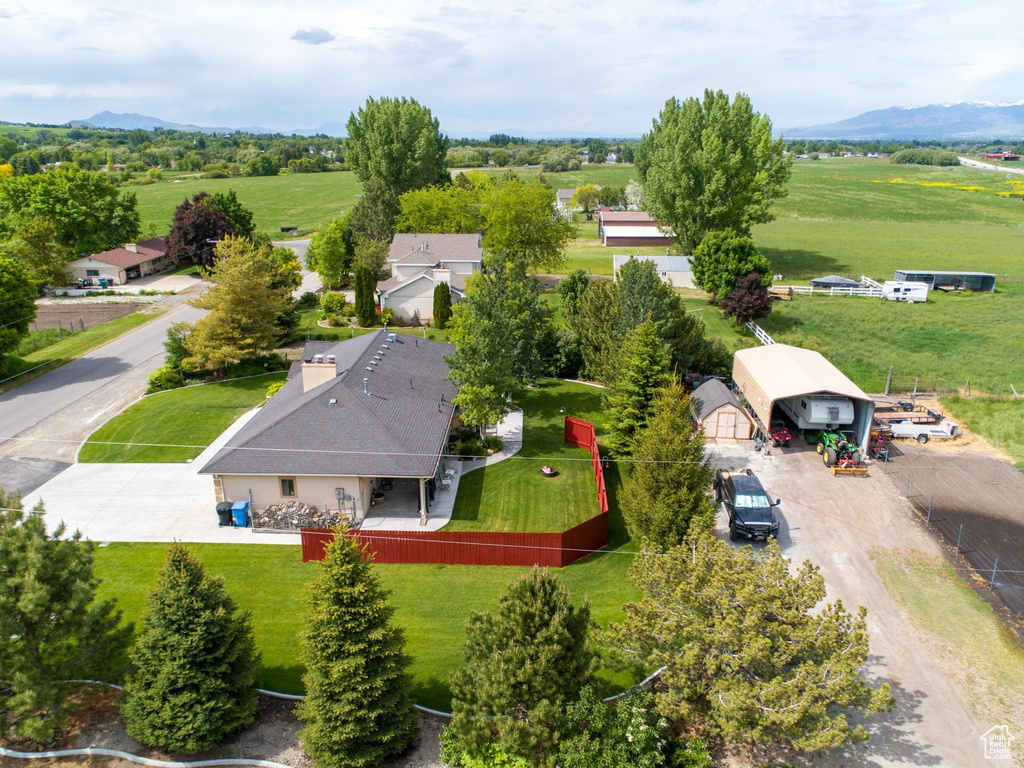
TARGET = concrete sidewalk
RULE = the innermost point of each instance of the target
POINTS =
(145, 502)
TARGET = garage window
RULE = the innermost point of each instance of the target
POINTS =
(92, 273)
(287, 486)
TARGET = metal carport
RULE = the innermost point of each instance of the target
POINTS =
(764, 375)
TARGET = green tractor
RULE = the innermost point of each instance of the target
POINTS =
(837, 449)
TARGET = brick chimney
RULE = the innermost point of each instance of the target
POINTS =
(442, 275)
(317, 371)
(131, 247)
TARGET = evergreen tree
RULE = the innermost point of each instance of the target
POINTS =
(748, 646)
(193, 673)
(642, 370)
(357, 710)
(524, 664)
(365, 303)
(442, 305)
(53, 628)
(668, 484)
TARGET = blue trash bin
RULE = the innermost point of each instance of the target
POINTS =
(240, 511)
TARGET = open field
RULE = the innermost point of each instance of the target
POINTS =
(298, 199)
(512, 495)
(50, 356)
(191, 416)
(1000, 420)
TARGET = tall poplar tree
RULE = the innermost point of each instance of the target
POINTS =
(442, 305)
(193, 678)
(357, 710)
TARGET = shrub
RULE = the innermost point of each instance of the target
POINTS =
(254, 366)
(490, 756)
(493, 443)
(332, 302)
(337, 321)
(414, 321)
(399, 321)
(163, 378)
(690, 753)
(469, 447)
(274, 388)
(924, 157)
(308, 300)
(387, 315)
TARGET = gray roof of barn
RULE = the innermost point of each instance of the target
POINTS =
(710, 396)
(397, 430)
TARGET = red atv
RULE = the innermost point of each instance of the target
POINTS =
(780, 435)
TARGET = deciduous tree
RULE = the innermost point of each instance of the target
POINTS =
(357, 710)
(248, 293)
(35, 247)
(748, 300)
(196, 229)
(331, 250)
(586, 197)
(520, 225)
(17, 306)
(748, 647)
(53, 627)
(641, 371)
(239, 217)
(723, 259)
(627, 734)
(193, 676)
(670, 477)
(451, 209)
(87, 212)
(524, 664)
(570, 291)
(709, 165)
(397, 142)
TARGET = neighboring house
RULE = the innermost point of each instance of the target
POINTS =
(1001, 156)
(631, 228)
(351, 416)
(674, 270)
(419, 262)
(564, 199)
(611, 157)
(718, 412)
(119, 265)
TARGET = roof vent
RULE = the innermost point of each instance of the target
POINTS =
(369, 368)
(318, 358)
(366, 390)
(384, 346)
(392, 337)
(333, 401)
(330, 359)
(423, 246)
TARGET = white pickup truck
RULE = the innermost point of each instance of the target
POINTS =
(923, 432)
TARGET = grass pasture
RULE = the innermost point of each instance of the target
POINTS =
(1000, 420)
(512, 495)
(191, 417)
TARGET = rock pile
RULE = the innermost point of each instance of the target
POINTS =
(292, 514)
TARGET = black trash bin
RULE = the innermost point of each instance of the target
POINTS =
(224, 513)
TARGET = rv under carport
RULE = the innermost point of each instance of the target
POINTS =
(768, 375)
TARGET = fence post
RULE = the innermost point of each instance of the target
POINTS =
(992, 581)
(907, 494)
(929, 519)
(60, 330)
(885, 464)
(1014, 392)
(81, 322)
(958, 537)
(913, 397)
(888, 381)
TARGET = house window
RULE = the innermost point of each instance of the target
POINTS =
(92, 273)
(287, 486)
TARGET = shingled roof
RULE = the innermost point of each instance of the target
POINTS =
(428, 250)
(710, 396)
(396, 429)
(126, 257)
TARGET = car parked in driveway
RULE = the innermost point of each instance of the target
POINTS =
(751, 513)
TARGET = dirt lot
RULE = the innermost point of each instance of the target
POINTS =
(274, 736)
(979, 492)
(847, 526)
(89, 314)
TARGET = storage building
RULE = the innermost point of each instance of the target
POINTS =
(779, 381)
(631, 228)
(719, 413)
(834, 281)
(938, 279)
(674, 270)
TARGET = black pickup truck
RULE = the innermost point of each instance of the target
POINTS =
(751, 512)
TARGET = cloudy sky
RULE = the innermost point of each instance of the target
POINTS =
(512, 66)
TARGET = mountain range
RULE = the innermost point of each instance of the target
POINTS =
(131, 120)
(977, 120)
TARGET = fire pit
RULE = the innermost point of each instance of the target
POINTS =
(548, 471)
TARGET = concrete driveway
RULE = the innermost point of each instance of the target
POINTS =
(837, 523)
(176, 283)
(144, 502)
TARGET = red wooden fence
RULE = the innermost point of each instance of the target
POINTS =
(552, 550)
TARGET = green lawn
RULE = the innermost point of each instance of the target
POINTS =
(298, 199)
(1001, 421)
(53, 355)
(191, 416)
(308, 328)
(512, 495)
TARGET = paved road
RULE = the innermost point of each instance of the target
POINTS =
(54, 412)
(990, 167)
(310, 280)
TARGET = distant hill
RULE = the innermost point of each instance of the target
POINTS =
(977, 120)
(130, 120)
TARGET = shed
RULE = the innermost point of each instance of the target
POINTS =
(766, 376)
(834, 281)
(719, 413)
(674, 270)
(939, 279)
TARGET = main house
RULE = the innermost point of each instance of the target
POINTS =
(119, 265)
(419, 262)
(357, 422)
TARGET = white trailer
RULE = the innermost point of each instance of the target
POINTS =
(901, 290)
(923, 432)
(821, 411)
